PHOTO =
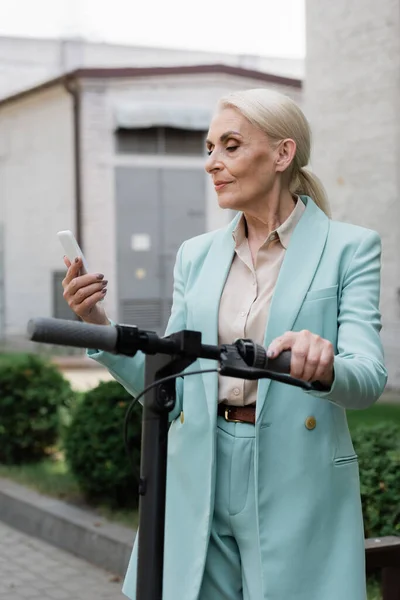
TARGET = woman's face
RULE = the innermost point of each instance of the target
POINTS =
(242, 162)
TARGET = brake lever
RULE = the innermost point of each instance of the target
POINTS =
(233, 365)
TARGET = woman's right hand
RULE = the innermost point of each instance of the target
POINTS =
(84, 292)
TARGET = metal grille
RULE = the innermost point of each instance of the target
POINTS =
(160, 140)
(146, 314)
(180, 141)
(137, 141)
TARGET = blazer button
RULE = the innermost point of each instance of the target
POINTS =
(311, 423)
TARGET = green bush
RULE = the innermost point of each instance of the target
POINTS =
(95, 448)
(32, 393)
(378, 448)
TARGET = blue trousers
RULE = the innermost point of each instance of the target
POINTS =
(233, 566)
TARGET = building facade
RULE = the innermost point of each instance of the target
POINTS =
(117, 156)
(352, 99)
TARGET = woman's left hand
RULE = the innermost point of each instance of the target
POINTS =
(312, 355)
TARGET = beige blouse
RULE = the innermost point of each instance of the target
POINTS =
(246, 298)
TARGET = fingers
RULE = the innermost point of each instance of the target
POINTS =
(75, 299)
(325, 372)
(319, 358)
(299, 347)
(299, 364)
(78, 285)
(312, 356)
(87, 305)
(284, 342)
(73, 281)
(305, 357)
(82, 292)
(73, 270)
(302, 349)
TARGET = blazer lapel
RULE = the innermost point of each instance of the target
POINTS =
(214, 272)
(297, 272)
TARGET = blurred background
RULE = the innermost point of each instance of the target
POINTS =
(104, 110)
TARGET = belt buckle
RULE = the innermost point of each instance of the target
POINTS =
(226, 415)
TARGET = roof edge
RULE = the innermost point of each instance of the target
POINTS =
(132, 72)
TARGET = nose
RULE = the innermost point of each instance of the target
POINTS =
(213, 164)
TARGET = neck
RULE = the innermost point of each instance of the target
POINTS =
(264, 219)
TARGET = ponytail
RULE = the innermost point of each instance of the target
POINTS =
(307, 184)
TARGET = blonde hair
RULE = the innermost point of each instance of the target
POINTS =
(280, 118)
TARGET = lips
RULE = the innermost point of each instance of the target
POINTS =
(220, 184)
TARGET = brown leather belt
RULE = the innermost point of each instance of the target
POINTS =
(238, 414)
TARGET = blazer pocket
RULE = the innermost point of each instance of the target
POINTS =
(345, 460)
(321, 293)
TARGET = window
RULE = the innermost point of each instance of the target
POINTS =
(160, 140)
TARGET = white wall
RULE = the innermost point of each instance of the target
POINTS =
(36, 200)
(352, 96)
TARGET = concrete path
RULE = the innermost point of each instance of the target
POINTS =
(33, 570)
(85, 379)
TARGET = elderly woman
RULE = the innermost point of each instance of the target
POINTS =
(263, 499)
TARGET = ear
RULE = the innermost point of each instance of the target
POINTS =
(285, 154)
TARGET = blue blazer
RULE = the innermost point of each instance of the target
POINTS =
(308, 497)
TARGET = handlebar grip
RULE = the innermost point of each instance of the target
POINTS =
(280, 364)
(73, 333)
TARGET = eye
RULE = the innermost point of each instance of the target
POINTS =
(209, 152)
(231, 148)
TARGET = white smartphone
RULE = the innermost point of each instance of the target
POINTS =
(72, 249)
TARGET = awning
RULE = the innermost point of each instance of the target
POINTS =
(144, 115)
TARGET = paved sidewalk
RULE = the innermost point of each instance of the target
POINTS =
(32, 569)
(85, 379)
